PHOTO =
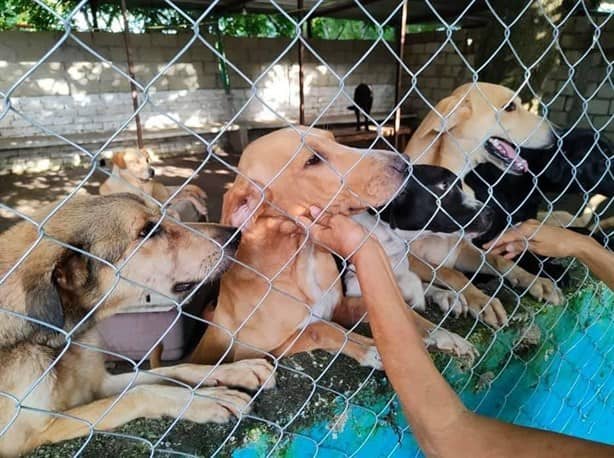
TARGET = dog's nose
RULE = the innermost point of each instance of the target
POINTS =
(152, 173)
(226, 233)
(488, 213)
(485, 218)
(400, 165)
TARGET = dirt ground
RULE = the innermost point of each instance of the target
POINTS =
(29, 192)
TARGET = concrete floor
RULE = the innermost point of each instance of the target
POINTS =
(28, 192)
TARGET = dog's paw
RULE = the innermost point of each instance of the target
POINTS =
(249, 374)
(448, 300)
(544, 289)
(372, 359)
(412, 291)
(487, 309)
(448, 342)
(217, 404)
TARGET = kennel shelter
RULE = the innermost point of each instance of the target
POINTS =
(194, 86)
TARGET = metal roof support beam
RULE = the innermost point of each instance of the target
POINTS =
(397, 92)
(343, 7)
(301, 76)
(133, 92)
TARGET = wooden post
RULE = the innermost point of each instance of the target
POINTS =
(133, 91)
(397, 93)
(301, 76)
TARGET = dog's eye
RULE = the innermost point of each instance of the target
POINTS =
(510, 107)
(313, 160)
(150, 229)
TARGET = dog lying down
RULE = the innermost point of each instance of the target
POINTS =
(415, 210)
(285, 295)
(132, 172)
(55, 290)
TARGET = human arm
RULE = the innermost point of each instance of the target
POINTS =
(555, 242)
(439, 420)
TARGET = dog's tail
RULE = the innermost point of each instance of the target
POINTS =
(353, 108)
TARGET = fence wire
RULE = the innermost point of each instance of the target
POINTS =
(553, 356)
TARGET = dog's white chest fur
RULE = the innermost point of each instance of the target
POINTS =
(396, 249)
(323, 301)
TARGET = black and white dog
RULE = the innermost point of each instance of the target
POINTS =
(432, 201)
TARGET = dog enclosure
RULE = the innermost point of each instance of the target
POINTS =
(196, 94)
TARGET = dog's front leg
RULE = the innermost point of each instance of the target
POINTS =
(211, 404)
(473, 259)
(486, 308)
(354, 308)
(324, 335)
(249, 374)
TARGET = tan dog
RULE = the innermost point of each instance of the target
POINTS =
(132, 172)
(285, 295)
(481, 123)
(44, 370)
(478, 123)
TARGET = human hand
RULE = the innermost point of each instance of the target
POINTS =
(542, 239)
(339, 233)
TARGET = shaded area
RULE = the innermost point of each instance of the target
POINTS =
(29, 192)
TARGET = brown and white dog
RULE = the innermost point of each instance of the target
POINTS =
(132, 172)
(477, 123)
(285, 296)
(53, 382)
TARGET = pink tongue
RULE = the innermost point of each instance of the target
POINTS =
(510, 152)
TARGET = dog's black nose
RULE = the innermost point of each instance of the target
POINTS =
(226, 233)
(152, 173)
(485, 219)
(400, 165)
(487, 213)
(236, 240)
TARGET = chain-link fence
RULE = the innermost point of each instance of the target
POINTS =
(526, 341)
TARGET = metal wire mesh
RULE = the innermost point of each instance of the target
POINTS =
(316, 385)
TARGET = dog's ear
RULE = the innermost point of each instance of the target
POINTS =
(448, 114)
(43, 301)
(119, 160)
(243, 202)
(44, 292)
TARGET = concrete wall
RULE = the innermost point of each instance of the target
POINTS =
(581, 73)
(585, 76)
(74, 92)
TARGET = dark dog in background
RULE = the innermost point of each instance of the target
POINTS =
(520, 196)
(363, 102)
(581, 164)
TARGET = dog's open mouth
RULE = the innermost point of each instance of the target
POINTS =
(506, 152)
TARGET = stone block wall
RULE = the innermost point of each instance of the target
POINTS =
(76, 91)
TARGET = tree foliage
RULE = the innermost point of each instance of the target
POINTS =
(27, 15)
